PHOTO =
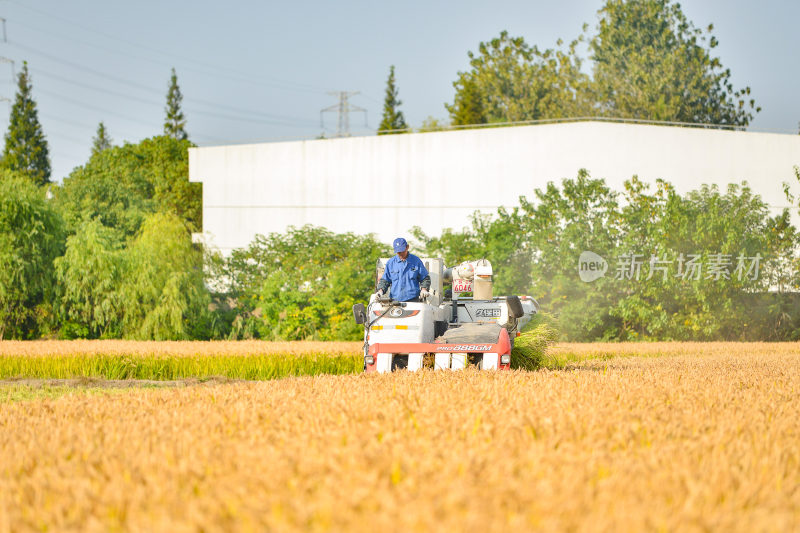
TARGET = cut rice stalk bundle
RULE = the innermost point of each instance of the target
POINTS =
(530, 348)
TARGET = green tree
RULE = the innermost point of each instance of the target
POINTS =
(101, 140)
(555, 227)
(122, 185)
(26, 148)
(651, 63)
(716, 228)
(499, 240)
(163, 291)
(303, 284)
(662, 300)
(90, 274)
(30, 239)
(535, 249)
(433, 124)
(467, 109)
(453, 246)
(393, 119)
(793, 262)
(518, 82)
(175, 122)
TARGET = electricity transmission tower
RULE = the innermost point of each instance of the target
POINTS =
(6, 60)
(343, 110)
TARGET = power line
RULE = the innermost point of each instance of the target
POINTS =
(239, 76)
(40, 72)
(69, 140)
(368, 97)
(80, 103)
(48, 117)
(77, 66)
(130, 83)
(216, 75)
(158, 104)
(233, 113)
(62, 155)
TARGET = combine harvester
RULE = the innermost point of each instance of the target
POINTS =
(446, 331)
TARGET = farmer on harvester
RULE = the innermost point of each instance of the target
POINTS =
(405, 274)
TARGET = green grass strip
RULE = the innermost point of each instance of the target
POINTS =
(26, 393)
(251, 367)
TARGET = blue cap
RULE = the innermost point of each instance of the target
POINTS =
(399, 244)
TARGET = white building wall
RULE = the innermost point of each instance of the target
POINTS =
(387, 184)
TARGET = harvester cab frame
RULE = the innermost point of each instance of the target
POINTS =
(448, 330)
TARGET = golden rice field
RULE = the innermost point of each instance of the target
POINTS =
(706, 437)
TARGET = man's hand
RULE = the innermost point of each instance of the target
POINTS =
(423, 293)
(379, 293)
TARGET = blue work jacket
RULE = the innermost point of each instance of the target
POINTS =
(404, 276)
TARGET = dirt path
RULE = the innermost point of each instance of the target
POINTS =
(112, 383)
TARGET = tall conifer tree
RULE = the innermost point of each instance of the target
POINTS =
(101, 140)
(392, 117)
(26, 148)
(175, 123)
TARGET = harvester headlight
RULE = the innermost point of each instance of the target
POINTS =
(369, 359)
(505, 359)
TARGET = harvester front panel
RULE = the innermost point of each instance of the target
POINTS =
(485, 346)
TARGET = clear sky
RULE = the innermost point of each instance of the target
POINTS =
(261, 70)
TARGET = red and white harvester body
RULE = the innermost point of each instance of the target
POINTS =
(448, 330)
